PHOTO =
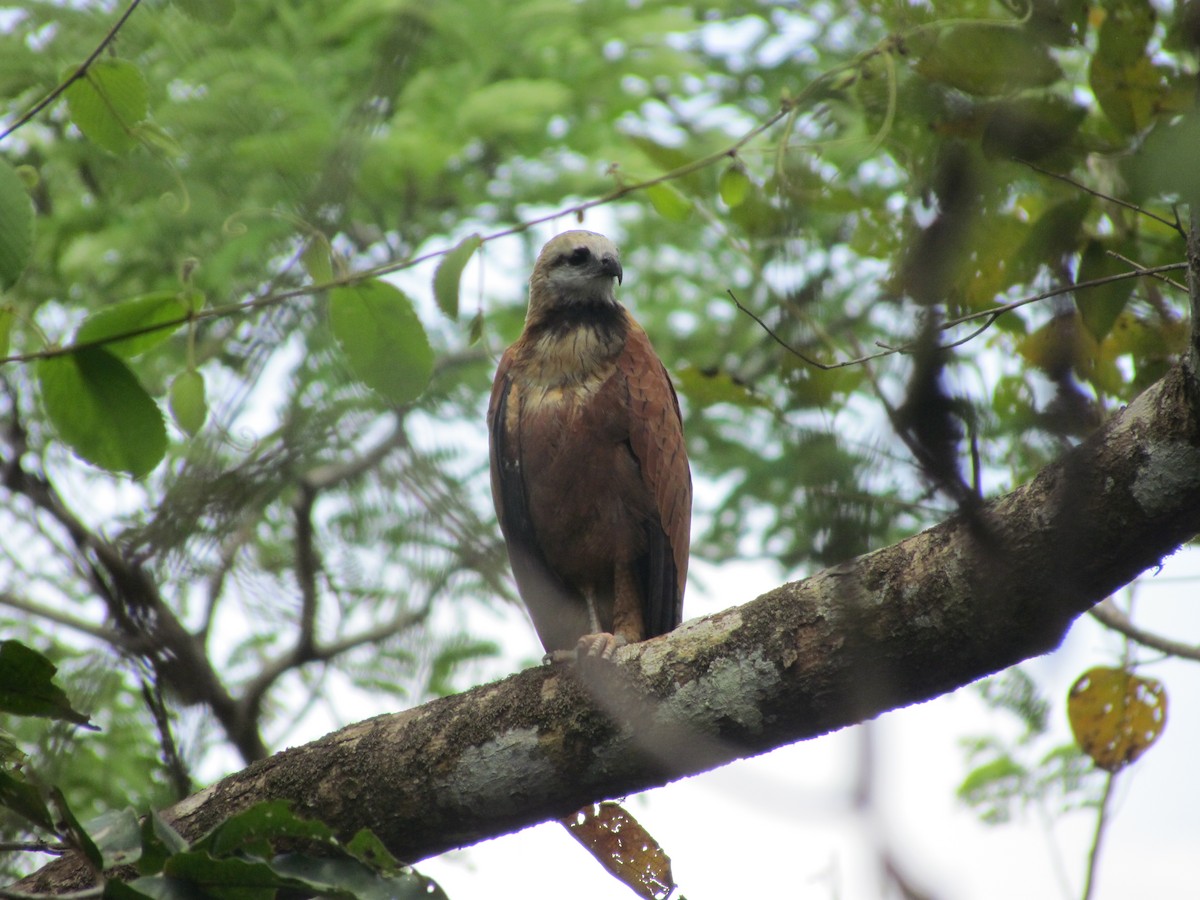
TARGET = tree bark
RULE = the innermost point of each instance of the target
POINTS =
(900, 625)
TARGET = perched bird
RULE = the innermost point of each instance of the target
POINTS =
(589, 471)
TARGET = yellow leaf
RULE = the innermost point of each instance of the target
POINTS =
(623, 847)
(1116, 715)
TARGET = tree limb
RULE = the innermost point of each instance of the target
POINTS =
(897, 626)
(1109, 615)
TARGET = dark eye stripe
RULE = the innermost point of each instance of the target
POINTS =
(579, 256)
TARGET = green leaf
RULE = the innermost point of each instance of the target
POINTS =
(11, 756)
(118, 836)
(187, 401)
(227, 879)
(102, 412)
(262, 823)
(989, 61)
(145, 318)
(7, 317)
(513, 107)
(16, 226)
(366, 847)
(211, 12)
(707, 387)
(1100, 306)
(352, 878)
(317, 259)
(1031, 128)
(159, 842)
(1166, 165)
(475, 331)
(27, 685)
(115, 889)
(1054, 235)
(734, 185)
(148, 132)
(1129, 95)
(1125, 31)
(993, 788)
(669, 202)
(73, 832)
(23, 798)
(450, 657)
(107, 102)
(382, 338)
(449, 273)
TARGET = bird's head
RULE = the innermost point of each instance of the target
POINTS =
(575, 269)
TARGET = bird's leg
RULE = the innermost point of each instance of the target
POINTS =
(594, 625)
(597, 644)
(628, 621)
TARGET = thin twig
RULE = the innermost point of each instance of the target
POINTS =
(109, 636)
(1108, 615)
(780, 341)
(1179, 286)
(1095, 193)
(52, 847)
(1098, 837)
(996, 311)
(181, 780)
(308, 564)
(989, 315)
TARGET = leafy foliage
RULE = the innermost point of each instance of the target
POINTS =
(223, 207)
(1009, 776)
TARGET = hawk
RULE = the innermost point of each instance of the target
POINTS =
(589, 472)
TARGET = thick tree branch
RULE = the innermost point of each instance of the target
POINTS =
(893, 627)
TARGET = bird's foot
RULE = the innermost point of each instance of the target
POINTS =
(599, 646)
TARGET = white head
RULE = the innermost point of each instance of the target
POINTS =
(576, 268)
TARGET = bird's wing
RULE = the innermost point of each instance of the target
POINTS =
(508, 487)
(557, 616)
(656, 437)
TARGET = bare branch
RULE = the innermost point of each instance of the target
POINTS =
(308, 564)
(181, 780)
(1102, 820)
(988, 315)
(110, 636)
(149, 627)
(994, 313)
(1174, 225)
(1110, 616)
(256, 689)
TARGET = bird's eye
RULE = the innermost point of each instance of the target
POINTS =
(579, 256)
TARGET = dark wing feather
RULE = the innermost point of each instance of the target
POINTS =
(557, 616)
(656, 437)
(508, 486)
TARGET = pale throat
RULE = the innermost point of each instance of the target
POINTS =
(582, 356)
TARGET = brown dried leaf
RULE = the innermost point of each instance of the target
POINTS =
(623, 847)
(1116, 715)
